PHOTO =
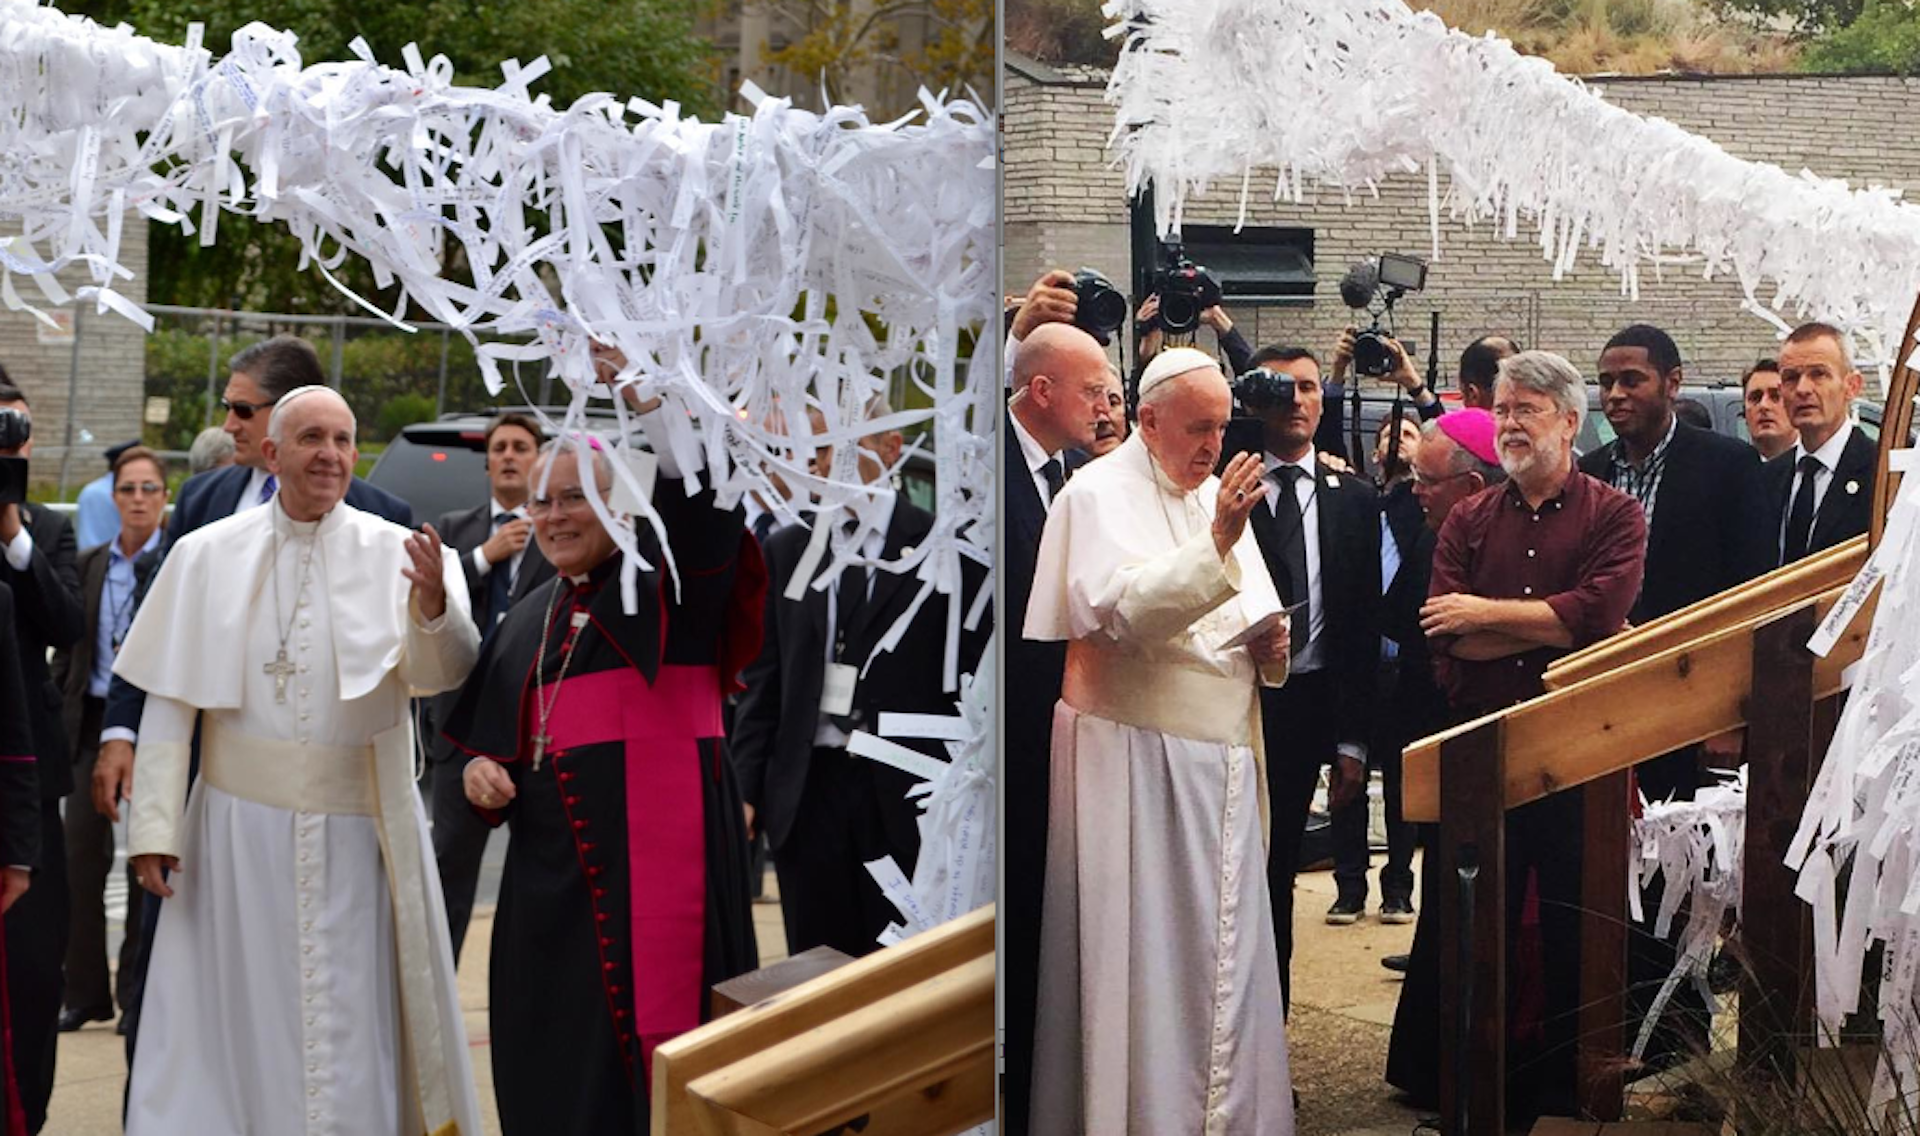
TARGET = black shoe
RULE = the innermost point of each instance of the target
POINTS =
(1396, 963)
(71, 1020)
(120, 1027)
(1345, 911)
(1396, 910)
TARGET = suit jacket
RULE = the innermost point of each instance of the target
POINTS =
(1842, 515)
(464, 530)
(779, 712)
(1349, 533)
(1416, 706)
(20, 808)
(205, 498)
(1712, 529)
(1040, 665)
(47, 616)
(73, 667)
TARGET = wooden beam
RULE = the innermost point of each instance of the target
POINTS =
(1621, 718)
(1782, 588)
(908, 1050)
(1606, 829)
(1473, 835)
(1775, 930)
(1896, 421)
(741, 1036)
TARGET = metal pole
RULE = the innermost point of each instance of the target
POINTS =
(440, 401)
(339, 349)
(73, 398)
(213, 370)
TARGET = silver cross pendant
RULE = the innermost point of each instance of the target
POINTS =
(281, 670)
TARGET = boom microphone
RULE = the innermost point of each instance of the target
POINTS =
(1359, 284)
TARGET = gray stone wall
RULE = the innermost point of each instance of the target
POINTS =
(107, 379)
(1065, 207)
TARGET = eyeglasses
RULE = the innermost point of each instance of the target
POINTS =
(246, 410)
(1419, 479)
(1525, 412)
(569, 501)
(143, 488)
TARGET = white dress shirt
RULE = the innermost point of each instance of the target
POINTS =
(480, 563)
(1828, 455)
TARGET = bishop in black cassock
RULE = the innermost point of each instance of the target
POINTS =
(624, 895)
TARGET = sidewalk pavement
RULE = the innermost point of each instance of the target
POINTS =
(1342, 1014)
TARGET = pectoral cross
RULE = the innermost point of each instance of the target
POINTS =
(539, 749)
(281, 670)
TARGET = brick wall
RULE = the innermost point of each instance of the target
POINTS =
(1065, 206)
(110, 371)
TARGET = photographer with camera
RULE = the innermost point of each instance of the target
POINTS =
(1319, 532)
(38, 564)
(1401, 374)
(1150, 336)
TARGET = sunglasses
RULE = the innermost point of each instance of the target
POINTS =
(246, 410)
(144, 488)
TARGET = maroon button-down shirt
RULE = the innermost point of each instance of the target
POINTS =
(1582, 552)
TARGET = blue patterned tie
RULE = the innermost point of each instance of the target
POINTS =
(499, 580)
(266, 489)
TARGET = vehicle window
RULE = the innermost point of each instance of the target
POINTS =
(433, 474)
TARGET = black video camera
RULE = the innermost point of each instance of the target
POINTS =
(1099, 309)
(1260, 390)
(15, 428)
(1384, 282)
(1185, 289)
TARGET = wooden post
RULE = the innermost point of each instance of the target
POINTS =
(1603, 945)
(1776, 930)
(1473, 832)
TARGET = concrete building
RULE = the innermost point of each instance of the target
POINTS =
(107, 374)
(1065, 206)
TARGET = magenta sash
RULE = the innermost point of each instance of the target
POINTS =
(660, 726)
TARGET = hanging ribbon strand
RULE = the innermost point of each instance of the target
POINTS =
(1348, 93)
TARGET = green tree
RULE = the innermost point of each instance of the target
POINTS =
(627, 47)
(1885, 37)
(838, 37)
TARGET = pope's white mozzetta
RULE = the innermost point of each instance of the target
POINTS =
(302, 977)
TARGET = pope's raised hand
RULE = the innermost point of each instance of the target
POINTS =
(1239, 493)
(429, 587)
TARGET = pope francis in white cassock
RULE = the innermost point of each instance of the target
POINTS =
(301, 978)
(1161, 1013)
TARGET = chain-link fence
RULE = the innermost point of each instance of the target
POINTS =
(96, 381)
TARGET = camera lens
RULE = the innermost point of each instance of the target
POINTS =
(1104, 309)
(1179, 313)
(1371, 356)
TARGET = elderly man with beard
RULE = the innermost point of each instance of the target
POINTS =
(1158, 956)
(1523, 574)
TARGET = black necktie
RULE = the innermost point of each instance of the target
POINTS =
(1293, 552)
(500, 579)
(1800, 517)
(763, 527)
(1056, 478)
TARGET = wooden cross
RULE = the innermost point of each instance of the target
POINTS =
(281, 670)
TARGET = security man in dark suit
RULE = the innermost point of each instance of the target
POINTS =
(37, 561)
(1055, 410)
(261, 375)
(828, 812)
(1707, 531)
(1319, 531)
(1821, 491)
(502, 565)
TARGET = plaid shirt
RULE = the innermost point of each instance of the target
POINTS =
(1641, 482)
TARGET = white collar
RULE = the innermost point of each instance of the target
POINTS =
(1828, 455)
(498, 509)
(1036, 454)
(1305, 462)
